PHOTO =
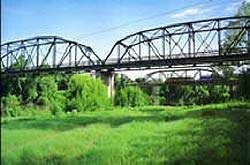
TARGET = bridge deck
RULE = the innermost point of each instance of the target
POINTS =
(142, 64)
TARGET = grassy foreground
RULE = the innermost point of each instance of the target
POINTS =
(212, 134)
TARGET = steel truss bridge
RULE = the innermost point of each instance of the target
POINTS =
(185, 76)
(212, 41)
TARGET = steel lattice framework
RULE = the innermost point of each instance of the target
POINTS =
(212, 41)
(45, 53)
(186, 76)
(205, 41)
(180, 74)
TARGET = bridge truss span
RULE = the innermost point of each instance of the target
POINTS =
(205, 41)
(186, 76)
(45, 53)
(181, 74)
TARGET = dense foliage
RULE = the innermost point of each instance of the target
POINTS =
(131, 96)
(11, 105)
(86, 93)
(176, 94)
(199, 94)
(79, 92)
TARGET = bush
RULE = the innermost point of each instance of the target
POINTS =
(11, 106)
(29, 89)
(43, 100)
(131, 96)
(58, 102)
(202, 95)
(177, 94)
(50, 96)
(47, 88)
(29, 110)
(55, 108)
(86, 93)
(219, 93)
(188, 94)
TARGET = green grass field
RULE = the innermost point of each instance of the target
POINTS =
(212, 134)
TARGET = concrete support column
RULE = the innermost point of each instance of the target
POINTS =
(108, 79)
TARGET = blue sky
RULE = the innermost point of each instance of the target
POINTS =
(85, 20)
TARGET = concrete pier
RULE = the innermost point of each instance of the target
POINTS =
(108, 79)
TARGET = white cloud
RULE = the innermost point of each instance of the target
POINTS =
(233, 7)
(199, 11)
(187, 12)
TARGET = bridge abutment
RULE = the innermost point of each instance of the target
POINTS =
(108, 79)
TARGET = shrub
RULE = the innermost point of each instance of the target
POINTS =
(219, 93)
(86, 93)
(29, 89)
(11, 105)
(55, 108)
(187, 95)
(202, 95)
(177, 94)
(157, 100)
(47, 88)
(29, 110)
(50, 96)
(58, 102)
(43, 100)
(131, 96)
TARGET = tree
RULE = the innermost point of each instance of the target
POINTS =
(177, 94)
(219, 93)
(202, 95)
(86, 93)
(29, 89)
(11, 105)
(244, 9)
(131, 96)
(46, 88)
(10, 85)
(121, 81)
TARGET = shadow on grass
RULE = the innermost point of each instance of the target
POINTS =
(155, 114)
(239, 134)
(223, 138)
(67, 123)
